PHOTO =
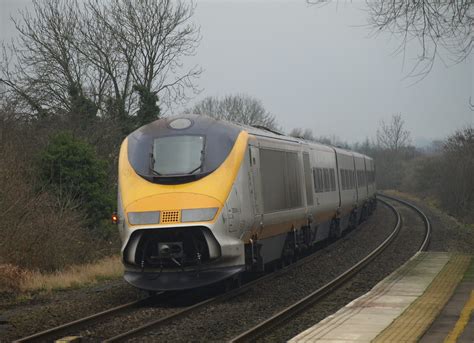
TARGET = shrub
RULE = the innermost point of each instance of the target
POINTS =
(40, 230)
(71, 166)
(11, 278)
(457, 189)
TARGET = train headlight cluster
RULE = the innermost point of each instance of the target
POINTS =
(140, 218)
(198, 214)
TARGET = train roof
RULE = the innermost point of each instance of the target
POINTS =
(262, 131)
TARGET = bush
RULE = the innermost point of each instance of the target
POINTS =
(11, 278)
(448, 175)
(40, 230)
(71, 166)
(428, 175)
(456, 192)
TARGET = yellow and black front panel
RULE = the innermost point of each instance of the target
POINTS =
(162, 190)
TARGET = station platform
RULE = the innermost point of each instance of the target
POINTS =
(428, 299)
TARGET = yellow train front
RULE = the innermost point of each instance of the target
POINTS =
(202, 200)
(175, 177)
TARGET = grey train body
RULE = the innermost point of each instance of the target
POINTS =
(287, 195)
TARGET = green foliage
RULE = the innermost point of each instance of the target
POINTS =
(149, 110)
(71, 166)
(83, 108)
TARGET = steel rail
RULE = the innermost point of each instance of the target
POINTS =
(228, 295)
(426, 220)
(175, 315)
(260, 329)
(187, 310)
(54, 332)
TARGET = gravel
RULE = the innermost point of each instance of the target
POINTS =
(225, 320)
(400, 250)
(26, 316)
(448, 234)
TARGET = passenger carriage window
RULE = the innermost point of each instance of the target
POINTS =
(343, 179)
(307, 178)
(327, 184)
(332, 174)
(315, 181)
(318, 180)
(321, 179)
(346, 172)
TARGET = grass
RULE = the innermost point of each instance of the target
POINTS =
(396, 193)
(17, 281)
(469, 275)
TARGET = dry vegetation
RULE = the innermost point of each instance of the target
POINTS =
(40, 229)
(44, 231)
(16, 280)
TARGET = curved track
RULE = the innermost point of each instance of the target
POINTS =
(293, 310)
(172, 314)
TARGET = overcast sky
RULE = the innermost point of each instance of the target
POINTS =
(318, 67)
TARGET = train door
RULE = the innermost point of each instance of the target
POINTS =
(356, 183)
(307, 180)
(255, 182)
(366, 178)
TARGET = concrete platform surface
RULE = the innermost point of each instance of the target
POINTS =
(455, 323)
(400, 308)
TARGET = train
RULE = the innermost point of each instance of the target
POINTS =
(202, 200)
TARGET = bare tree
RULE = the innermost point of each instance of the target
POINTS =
(446, 23)
(100, 51)
(302, 133)
(40, 65)
(393, 136)
(309, 135)
(238, 108)
(456, 190)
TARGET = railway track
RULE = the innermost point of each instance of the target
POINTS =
(291, 311)
(55, 332)
(171, 314)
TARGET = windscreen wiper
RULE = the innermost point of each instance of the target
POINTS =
(152, 163)
(195, 170)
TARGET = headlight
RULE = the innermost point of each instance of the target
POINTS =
(198, 214)
(138, 218)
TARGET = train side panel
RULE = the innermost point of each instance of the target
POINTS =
(326, 193)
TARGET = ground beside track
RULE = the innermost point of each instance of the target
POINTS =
(222, 321)
(27, 315)
(403, 247)
(448, 235)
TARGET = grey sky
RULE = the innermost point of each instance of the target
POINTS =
(318, 67)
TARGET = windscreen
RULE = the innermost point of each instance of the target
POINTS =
(178, 155)
(168, 152)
